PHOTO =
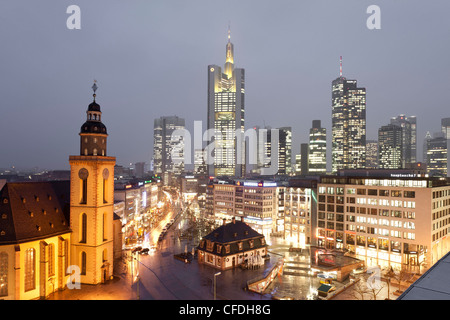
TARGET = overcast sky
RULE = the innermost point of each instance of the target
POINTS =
(150, 59)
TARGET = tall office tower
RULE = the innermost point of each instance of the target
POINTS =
(445, 127)
(139, 169)
(317, 159)
(282, 150)
(226, 117)
(371, 154)
(168, 146)
(348, 124)
(200, 167)
(304, 151)
(298, 164)
(285, 151)
(409, 137)
(425, 146)
(390, 146)
(437, 155)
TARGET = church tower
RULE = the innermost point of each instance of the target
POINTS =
(92, 200)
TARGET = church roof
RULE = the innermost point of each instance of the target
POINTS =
(94, 106)
(93, 127)
(34, 210)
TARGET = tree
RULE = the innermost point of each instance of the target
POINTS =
(364, 286)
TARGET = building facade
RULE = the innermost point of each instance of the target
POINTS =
(35, 239)
(400, 221)
(300, 213)
(168, 147)
(409, 137)
(371, 154)
(232, 245)
(274, 151)
(390, 147)
(254, 201)
(225, 118)
(437, 155)
(317, 157)
(348, 124)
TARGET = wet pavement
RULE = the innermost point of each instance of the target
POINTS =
(162, 277)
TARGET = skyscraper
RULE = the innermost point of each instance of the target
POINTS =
(445, 127)
(285, 151)
(273, 154)
(390, 146)
(304, 152)
(226, 117)
(409, 137)
(200, 167)
(168, 146)
(348, 124)
(317, 158)
(371, 154)
(425, 146)
(437, 155)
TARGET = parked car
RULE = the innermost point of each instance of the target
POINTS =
(136, 249)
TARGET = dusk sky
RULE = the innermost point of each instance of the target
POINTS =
(150, 60)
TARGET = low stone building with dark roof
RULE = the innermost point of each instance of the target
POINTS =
(232, 245)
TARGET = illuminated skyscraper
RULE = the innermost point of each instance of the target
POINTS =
(425, 142)
(409, 137)
(445, 127)
(371, 154)
(348, 124)
(317, 158)
(168, 147)
(281, 159)
(390, 146)
(200, 167)
(437, 155)
(226, 117)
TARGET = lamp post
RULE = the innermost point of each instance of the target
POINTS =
(215, 275)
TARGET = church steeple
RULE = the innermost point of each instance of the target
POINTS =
(229, 62)
(93, 132)
(92, 201)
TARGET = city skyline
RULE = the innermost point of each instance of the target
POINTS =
(289, 69)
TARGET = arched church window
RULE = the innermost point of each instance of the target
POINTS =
(83, 175)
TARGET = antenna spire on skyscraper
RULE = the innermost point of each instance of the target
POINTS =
(340, 66)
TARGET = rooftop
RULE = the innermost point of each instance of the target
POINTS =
(433, 284)
(33, 210)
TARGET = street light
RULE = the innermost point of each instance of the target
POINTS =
(215, 275)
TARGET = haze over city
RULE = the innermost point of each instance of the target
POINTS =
(150, 59)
